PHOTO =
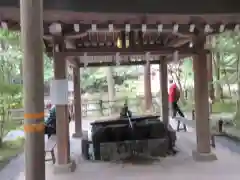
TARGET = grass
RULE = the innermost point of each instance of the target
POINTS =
(9, 150)
(11, 125)
(228, 107)
(217, 107)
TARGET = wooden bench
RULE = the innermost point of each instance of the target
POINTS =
(192, 124)
(49, 148)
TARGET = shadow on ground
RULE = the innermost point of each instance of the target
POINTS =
(138, 160)
(230, 144)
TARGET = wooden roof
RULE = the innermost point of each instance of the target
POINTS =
(85, 27)
(191, 7)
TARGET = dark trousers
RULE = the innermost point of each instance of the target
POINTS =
(49, 131)
(175, 110)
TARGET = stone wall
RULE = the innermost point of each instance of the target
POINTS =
(121, 150)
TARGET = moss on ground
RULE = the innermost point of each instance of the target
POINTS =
(217, 107)
(11, 125)
(228, 107)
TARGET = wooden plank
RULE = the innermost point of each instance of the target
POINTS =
(138, 6)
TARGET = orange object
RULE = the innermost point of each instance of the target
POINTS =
(34, 128)
(34, 115)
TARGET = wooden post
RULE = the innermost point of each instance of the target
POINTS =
(77, 103)
(64, 164)
(147, 86)
(33, 88)
(164, 90)
(203, 152)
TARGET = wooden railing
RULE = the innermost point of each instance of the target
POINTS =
(94, 108)
(105, 108)
(17, 114)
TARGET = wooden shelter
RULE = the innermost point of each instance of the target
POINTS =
(105, 33)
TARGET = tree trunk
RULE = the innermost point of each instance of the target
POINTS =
(210, 77)
(176, 76)
(1, 143)
(218, 87)
(228, 83)
(21, 69)
(147, 87)
(178, 79)
(2, 65)
(111, 87)
(1, 130)
(237, 115)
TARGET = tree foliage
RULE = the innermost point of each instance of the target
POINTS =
(225, 49)
(95, 79)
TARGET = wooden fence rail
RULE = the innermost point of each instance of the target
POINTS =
(105, 107)
(93, 108)
(17, 114)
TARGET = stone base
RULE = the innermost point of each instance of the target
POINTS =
(203, 157)
(64, 168)
(77, 135)
(123, 149)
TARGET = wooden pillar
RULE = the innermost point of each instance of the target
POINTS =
(147, 87)
(64, 164)
(77, 102)
(203, 151)
(164, 90)
(33, 88)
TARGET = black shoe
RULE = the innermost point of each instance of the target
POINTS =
(172, 152)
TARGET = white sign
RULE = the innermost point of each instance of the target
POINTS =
(59, 92)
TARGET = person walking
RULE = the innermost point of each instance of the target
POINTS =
(174, 96)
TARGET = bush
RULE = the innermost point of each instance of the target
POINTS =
(10, 150)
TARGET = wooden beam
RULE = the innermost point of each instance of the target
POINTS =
(130, 8)
(69, 31)
(179, 42)
(73, 62)
(77, 62)
(157, 60)
(129, 63)
(105, 51)
(183, 30)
